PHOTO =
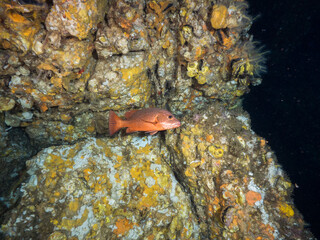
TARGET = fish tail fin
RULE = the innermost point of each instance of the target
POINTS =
(115, 123)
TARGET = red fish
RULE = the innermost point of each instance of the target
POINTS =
(149, 120)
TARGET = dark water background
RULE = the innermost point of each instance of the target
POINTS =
(285, 108)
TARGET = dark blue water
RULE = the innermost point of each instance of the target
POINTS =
(285, 108)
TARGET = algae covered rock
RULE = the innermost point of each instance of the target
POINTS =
(103, 188)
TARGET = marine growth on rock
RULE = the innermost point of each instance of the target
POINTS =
(65, 64)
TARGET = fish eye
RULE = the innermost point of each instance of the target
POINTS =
(170, 116)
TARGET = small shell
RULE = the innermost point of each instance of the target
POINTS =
(25, 103)
(6, 103)
(27, 115)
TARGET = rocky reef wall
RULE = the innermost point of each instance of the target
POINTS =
(65, 63)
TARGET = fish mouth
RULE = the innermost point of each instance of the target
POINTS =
(170, 125)
(176, 124)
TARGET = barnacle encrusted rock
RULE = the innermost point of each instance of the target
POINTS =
(59, 80)
(75, 17)
(122, 55)
(120, 82)
(103, 188)
(61, 130)
(124, 31)
(19, 24)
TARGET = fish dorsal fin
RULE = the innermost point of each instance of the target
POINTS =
(128, 114)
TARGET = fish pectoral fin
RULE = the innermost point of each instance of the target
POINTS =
(152, 132)
(154, 123)
(130, 130)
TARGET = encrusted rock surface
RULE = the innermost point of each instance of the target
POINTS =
(75, 17)
(212, 178)
(103, 188)
(65, 63)
(69, 57)
(233, 178)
